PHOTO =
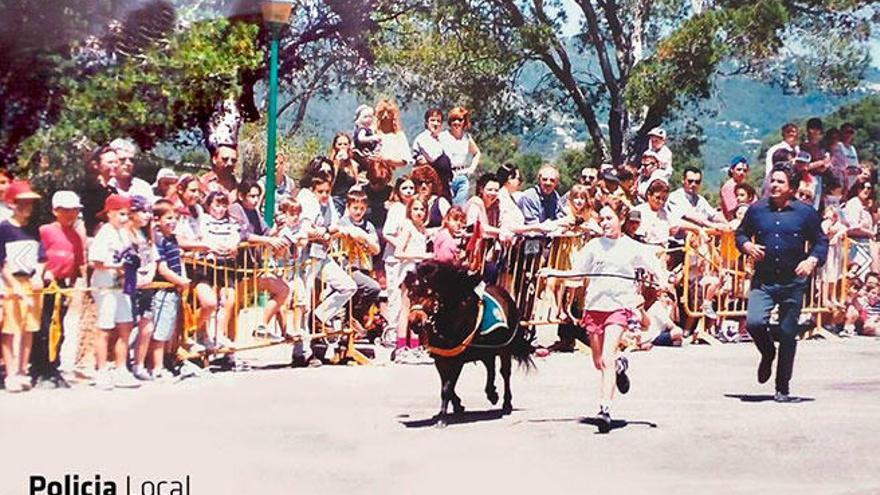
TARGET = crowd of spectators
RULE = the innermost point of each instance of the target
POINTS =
(402, 202)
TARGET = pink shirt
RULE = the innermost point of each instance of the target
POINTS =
(65, 250)
(728, 199)
(445, 247)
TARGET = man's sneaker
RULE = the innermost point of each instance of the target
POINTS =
(765, 367)
(402, 355)
(103, 380)
(709, 310)
(786, 398)
(420, 355)
(142, 374)
(314, 362)
(604, 418)
(622, 380)
(123, 379)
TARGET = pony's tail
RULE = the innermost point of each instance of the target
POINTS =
(522, 349)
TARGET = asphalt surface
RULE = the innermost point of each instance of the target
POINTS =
(695, 421)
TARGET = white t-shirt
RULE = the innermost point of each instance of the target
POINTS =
(222, 234)
(511, 217)
(394, 223)
(427, 145)
(620, 256)
(107, 245)
(680, 204)
(664, 157)
(316, 216)
(457, 150)
(654, 227)
(395, 146)
(149, 256)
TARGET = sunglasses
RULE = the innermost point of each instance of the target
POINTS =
(693, 181)
(588, 178)
(456, 119)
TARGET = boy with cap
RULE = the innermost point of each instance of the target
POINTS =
(657, 140)
(108, 253)
(64, 243)
(23, 261)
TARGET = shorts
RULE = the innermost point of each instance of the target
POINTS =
(166, 307)
(22, 312)
(664, 339)
(142, 303)
(218, 273)
(114, 306)
(596, 321)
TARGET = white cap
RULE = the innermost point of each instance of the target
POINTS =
(65, 199)
(165, 173)
(659, 132)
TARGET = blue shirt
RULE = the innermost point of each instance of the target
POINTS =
(538, 208)
(784, 233)
(169, 252)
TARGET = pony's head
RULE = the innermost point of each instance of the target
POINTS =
(432, 288)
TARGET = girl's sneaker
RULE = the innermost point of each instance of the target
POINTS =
(12, 384)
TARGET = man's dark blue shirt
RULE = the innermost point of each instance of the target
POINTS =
(783, 232)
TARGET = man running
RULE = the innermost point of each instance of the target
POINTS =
(773, 232)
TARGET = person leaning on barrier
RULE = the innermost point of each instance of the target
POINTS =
(773, 233)
(254, 230)
(354, 225)
(541, 203)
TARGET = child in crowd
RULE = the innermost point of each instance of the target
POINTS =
(745, 193)
(447, 240)
(64, 242)
(366, 142)
(166, 302)
(321, 221)
(662, 330)
(221, 235)
(871, 312)
(112, 256)
(23, 260)
(393, 232)
(412, 248)
(291, 258)
(831, 273)
(366, 239)
(141, 232)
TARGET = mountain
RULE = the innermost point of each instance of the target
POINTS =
(734, 120)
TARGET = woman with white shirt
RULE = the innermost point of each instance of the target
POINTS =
(458, 145)
(856, 212)
(610, 263)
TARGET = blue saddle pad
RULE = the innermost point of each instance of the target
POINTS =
(493, 316)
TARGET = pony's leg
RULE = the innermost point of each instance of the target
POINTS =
(491, 392)
(449, 372)
(507, 407)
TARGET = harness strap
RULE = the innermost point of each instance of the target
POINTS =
(455, 351)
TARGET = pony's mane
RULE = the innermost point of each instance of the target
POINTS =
(450, 281)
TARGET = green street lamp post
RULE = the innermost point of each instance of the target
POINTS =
(276, 14)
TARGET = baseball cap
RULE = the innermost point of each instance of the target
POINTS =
(658, 131)
(737, 160)
(65, 199)
(19, 189)
(140, 203)
(165, 173)
(115, 202)
(610, 175)
(635, 216)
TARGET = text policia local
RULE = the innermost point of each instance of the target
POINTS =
(72, 484)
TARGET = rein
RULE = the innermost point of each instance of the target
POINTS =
(468, 341)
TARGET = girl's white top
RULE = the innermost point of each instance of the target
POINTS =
(620, 256)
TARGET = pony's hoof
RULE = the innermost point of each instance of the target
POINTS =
(507, 408)
(493, 397)
(459, 409)
(441, 424)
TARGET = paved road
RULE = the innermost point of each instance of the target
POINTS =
(695, 422)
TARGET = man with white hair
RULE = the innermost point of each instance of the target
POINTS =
(125, 182)
(541, 203)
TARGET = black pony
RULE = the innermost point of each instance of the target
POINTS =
(444, 312)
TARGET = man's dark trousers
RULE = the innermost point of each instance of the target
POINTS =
(789, 296)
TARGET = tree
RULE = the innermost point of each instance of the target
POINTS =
(633, 62)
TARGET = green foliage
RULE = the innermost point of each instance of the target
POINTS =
(169, 86)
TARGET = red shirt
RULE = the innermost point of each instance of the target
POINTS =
(65, 250)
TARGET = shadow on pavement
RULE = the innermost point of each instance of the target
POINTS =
(584, 420)
(765, 398)
(457, 419)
